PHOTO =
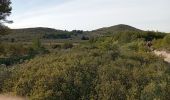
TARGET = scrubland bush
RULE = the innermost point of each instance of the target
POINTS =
(111, 71)
(162, 43)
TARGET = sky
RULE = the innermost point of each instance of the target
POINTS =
(91, 14)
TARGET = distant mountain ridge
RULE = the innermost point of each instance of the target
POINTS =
(31, 33)
(116, 29)
(122, 27)
(36, 29)
(26, 34)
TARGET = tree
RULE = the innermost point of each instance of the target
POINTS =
(5, 11)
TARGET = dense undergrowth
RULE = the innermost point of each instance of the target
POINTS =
(116, 64)
(119, 67)
(162, 44)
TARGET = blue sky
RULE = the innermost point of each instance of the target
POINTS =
(91, 14)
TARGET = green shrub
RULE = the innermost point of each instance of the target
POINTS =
(162, 43)
(110, 71)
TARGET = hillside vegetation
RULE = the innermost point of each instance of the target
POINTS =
(28, 34)
(118, 66)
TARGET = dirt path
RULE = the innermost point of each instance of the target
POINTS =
(4, 97)
(163, 54)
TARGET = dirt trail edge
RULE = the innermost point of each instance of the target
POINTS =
(4, 97)
(164, 54)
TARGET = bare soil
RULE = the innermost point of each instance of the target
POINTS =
(5, 97)
(164, 54)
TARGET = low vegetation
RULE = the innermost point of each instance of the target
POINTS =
(163, 44)
(115, 67)
(114, 63)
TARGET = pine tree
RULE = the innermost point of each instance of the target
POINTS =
(5, 11)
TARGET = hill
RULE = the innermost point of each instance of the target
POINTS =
(116, 67)
(115, 29)
(27, 34)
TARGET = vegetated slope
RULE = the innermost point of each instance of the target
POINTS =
(117, 67)
(100, 70)
(28, 34)
(115, 29)
(41, 30)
